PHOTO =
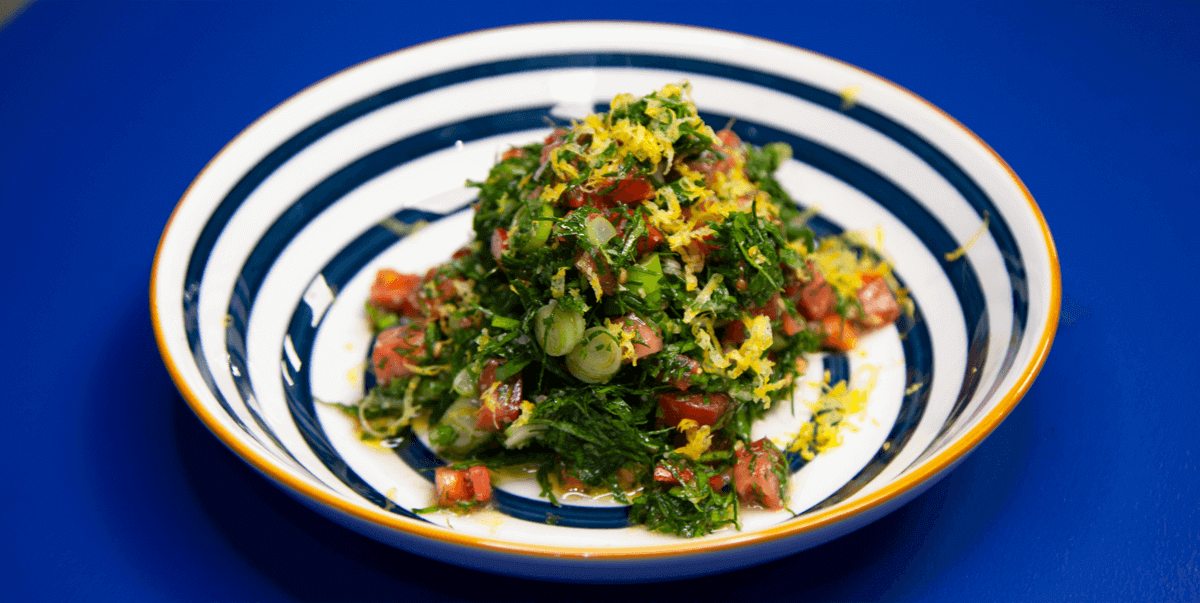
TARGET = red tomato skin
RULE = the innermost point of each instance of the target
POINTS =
(501, 406)
(840, 333)
(395, 292)
(619, 217)
(791, 326)
(481, 483)
(654, 237)
(735, 334)
(499, 243)
(683, 381)
(664, 475)
(587, 264)
(631, 191)
(753, 477)
(553, 141)
(704, 409)
(878, 303)
(395, 352)
(817, 299)
(647, 341)
(456, 486)
(452, 486)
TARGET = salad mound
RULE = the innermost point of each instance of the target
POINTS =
(639, 290)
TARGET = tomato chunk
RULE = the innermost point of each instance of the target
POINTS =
(791, 326)
(499, 243)
(682, 378)
(481, 482)
(587, 264)
(553, 141)
(396, 292)
(397, 350)
(632, 190)
(501, 401)
(754, 476)
(704, 409)
(646, 340)
(620, 218)
(664, 475)
(817, 298)
(456, 486)
(840, 333)
(878, 303)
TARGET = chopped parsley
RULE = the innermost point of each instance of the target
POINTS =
(638, 291)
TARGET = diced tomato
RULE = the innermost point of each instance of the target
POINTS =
(577, 197)
(632, 190)
(553, 141)
(722, 158)
(683, 381)
(500, 401)
(730, 146)
(646, 340)
(620, 216)
(455, 486)
(654, 237)
(481, 482)
(513, 152)
(431, 299)
(716, 483)
(664, 475)
(817, 298)
(754, 477)
(772, 309)
(735, 334)
(452, 486)
(396, 351)
(586, 263)
(704, 409)
(704, 246)
(878, 303)
(499, 243)
(791, 326)
(730, 139)
(396, 292)
(570, 481)
(840, 333)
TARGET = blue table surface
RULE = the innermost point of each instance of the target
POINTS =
(1090, 490)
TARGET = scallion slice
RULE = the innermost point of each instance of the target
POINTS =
(597, 358)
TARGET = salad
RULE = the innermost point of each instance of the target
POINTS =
(639, 290)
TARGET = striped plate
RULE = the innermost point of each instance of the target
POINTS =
(261, 274)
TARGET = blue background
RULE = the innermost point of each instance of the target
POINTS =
(1090, 490)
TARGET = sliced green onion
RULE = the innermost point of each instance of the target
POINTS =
(464, 383)
(529, 233)
(671, 266)
(558, 330)
(504, 322)
(597, 358)
(643, 279)
(599, 230)
(461, 417)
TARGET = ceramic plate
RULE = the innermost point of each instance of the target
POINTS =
(261, 274)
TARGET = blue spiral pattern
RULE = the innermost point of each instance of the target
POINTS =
(916, 344)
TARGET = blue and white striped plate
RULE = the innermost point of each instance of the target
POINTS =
(261, 274)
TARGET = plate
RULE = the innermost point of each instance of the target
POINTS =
(259, 280)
